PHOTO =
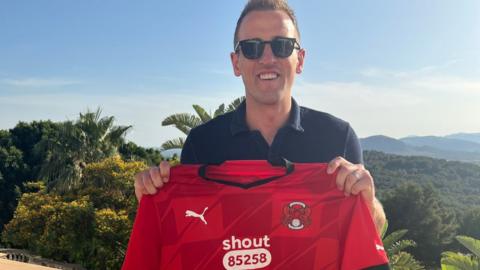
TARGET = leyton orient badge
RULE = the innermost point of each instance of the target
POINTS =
(296, 215)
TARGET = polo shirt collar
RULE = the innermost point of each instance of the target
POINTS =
(239, 120)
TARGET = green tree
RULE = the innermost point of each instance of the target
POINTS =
(91, 138)
(89, 224)
(458, 261)
(132, 152)
(419, 210)
(186, 121)
(470, 224)
(12, 171)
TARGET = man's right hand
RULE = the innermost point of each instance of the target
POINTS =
(149, 180)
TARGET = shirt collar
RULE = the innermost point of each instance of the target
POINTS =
(239, 120)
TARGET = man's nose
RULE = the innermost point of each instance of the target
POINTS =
(267, 56)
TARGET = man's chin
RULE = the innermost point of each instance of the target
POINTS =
(268, 99)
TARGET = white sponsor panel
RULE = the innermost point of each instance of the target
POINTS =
(247, 259)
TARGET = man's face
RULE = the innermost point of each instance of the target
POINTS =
(268, 80)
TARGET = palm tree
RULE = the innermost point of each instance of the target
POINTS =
(91, 138)
(458, 261)
(186, 121)
(394, 246)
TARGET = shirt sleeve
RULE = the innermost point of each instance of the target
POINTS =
(188, 152)
(353, 150)
(361, 247)
(144, 246)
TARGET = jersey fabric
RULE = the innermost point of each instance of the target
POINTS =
(308, 136)
(251, 215)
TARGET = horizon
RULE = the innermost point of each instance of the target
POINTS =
(393, 69)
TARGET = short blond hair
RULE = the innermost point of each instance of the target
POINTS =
(264, 5)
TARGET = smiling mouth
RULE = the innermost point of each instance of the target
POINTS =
(268, 76)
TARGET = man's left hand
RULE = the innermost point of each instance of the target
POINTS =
(353, 179)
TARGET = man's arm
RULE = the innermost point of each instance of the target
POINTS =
(354, 179)
(354, 155)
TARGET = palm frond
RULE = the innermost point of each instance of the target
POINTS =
(204, 116)
(400, 245)
(185, 119)
(219, 111)
(470, 243)
(234, 105)
(390, 239)
(173, 144)
(183, 128)
(452, 260)
(405, 261)
(117, 134)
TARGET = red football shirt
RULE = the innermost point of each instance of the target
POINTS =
(296, 221)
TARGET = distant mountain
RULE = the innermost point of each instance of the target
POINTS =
(472, 137)
(384, 144)
(443, 143)
(429, 146)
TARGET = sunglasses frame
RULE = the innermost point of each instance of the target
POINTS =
(238, 47)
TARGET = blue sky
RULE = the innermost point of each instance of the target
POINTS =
(398, 68)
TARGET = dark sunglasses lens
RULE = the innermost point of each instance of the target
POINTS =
(282, 47)
(251, 49)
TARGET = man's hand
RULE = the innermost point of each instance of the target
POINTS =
(355, 179)
(149, 180)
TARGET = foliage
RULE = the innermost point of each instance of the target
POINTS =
(394, 247)
(89, 225)
(458, 261)
(132, 152)
(89, 139)
(459, 183)
(12, 169)
(419, 210)
(405, 261)
(186, 121)
(470, 224)
(51, 227)
(109, 184)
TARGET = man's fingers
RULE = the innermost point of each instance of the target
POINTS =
(164, 171)
(342, 174)
(365, 184)
(335, 163)
(351, 180)
(138, 185)
(155, 176)
(148, 184)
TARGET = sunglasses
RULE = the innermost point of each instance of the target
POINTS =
(282, 47)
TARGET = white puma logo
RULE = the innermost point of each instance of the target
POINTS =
(190, 213)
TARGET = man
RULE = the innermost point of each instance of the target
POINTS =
(269, 124)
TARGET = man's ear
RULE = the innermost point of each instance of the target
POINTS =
(234, 59)
(301, 59)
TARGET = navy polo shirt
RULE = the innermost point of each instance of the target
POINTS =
(308, 136)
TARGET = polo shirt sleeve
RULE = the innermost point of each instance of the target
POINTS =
(144, 246)
(188, 152)
(353, 150)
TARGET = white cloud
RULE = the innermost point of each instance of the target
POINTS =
(39, 82)
(426, 106)
(375, 72)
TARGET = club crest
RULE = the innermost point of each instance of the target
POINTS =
(296, 215)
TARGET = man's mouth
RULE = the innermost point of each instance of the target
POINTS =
(268, 76)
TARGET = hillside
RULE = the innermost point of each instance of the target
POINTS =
(458, 182)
